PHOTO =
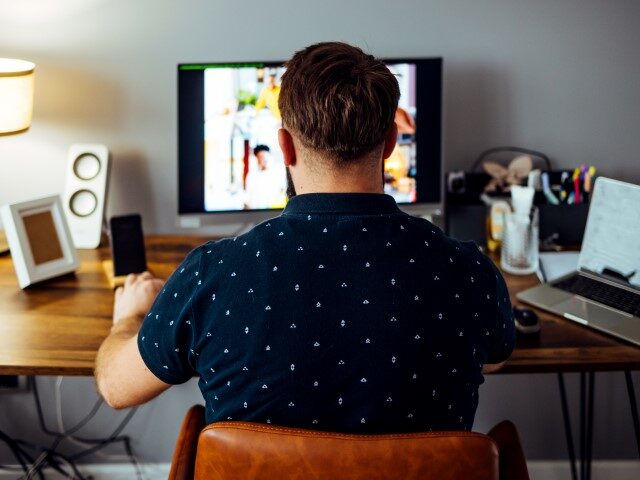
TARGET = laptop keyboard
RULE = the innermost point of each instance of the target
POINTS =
(600, 292)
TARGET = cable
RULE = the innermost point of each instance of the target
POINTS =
(51, 459)
(88, 441)
(68, 434)
(15, 449)
(48, 457)
(50, 453)
(20, 454)
(41, 461)
(72, 430)
(114, 435)
(132, 458)
(26, 457)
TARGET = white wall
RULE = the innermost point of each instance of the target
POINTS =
(558, 76)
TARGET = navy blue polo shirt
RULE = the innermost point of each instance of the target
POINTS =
(342, 314)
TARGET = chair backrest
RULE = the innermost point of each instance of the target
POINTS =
(237, 450)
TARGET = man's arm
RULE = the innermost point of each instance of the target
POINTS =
(492, 367)
(501, 329)
(122, 377)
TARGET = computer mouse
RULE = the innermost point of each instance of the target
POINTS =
(526, 320)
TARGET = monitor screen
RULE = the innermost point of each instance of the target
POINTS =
(228, 120)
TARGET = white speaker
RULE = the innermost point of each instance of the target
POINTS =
(85, 194)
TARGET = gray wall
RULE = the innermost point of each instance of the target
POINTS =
(558, 76)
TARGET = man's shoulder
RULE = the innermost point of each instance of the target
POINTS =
(467, 252)
(222, 244)
(210, 248)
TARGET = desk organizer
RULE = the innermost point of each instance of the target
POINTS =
(465, 213)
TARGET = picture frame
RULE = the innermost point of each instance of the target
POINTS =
(39, 239)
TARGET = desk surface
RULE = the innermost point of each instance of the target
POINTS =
(56, 327)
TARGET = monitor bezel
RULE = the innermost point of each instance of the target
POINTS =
(183, 194)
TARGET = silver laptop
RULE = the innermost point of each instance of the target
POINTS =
(604, 293)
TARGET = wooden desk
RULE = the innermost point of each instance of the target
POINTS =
(55, 328)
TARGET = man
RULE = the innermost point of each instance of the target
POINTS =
(269, 97)
(265, 186)
(341, 314)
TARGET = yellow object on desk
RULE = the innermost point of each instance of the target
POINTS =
(4, 246)
(115, 281)
(495, 224)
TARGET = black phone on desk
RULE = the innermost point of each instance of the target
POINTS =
(127, 245)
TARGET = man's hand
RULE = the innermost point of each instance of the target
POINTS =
(136, 297)
(122, 377)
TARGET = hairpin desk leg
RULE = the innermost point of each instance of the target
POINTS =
(583, 416)
(586, 423)
(567, 426)
(634, 407)
(589, 439)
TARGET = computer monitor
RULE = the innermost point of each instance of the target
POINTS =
(230, 166)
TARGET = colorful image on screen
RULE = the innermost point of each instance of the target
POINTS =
(244, 167)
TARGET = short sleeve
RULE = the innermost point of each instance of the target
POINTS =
(502, 328)
(166, 337)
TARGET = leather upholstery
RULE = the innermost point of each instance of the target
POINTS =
(513, 465)
(237, 450)
(184, 455)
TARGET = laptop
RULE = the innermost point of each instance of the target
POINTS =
(604, 292)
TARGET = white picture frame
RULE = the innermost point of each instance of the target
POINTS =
(39, 239)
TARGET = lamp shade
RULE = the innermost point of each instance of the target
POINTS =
(16, 95)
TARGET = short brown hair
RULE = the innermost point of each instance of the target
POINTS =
(338, 99)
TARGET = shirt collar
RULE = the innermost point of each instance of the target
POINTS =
(355, 203)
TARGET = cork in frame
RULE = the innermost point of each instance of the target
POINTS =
(39, 239)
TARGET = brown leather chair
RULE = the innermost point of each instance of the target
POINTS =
(241, 450)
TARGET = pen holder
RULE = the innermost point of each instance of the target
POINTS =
(519, 252)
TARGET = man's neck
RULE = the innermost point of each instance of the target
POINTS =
(347, 179)
(340, 187)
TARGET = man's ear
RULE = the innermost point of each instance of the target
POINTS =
(286, 145)
(390, 141)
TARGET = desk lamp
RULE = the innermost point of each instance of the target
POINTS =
(16, 105)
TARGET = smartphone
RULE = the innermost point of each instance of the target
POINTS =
(127, 245)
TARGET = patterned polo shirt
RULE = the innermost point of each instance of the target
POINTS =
(341, 314)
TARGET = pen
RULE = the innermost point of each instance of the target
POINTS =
(546, 189)
(576, 185)
(563, 190)
(588, 181)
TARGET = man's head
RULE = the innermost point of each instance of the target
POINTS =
(338, 106)
(272, 80)
(261, 152)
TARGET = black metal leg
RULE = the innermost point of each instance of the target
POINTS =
(583, 414)
(634, 407)
(589, 448)
(567, 426)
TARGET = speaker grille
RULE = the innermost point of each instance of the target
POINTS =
(87, 166)
(83, 203)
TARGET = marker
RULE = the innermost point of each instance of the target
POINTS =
(563, 189)
(588, 179)
(546, 189)
(576, 185)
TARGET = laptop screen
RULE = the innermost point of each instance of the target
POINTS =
(611, 244)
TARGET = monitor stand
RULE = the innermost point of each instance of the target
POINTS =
(232, 224)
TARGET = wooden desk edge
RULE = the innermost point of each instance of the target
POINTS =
(47, 370)
(168, 249)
